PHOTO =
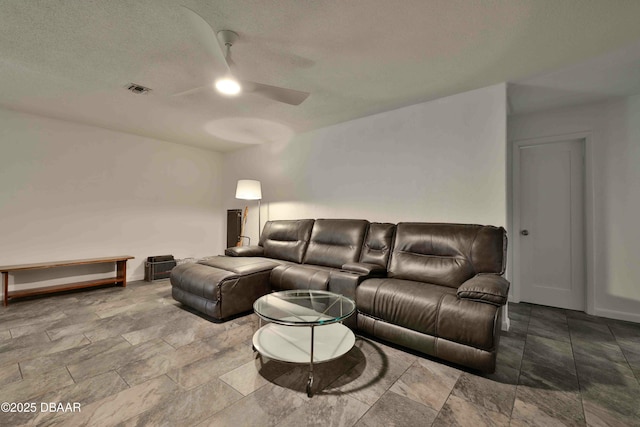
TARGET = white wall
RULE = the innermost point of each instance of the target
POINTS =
(443, 160)
(72, 191)
(614, 129)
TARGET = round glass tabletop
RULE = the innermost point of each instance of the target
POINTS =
(304, 307)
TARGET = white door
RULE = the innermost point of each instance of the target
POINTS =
(550, 209)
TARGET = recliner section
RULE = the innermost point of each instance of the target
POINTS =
(444, 290)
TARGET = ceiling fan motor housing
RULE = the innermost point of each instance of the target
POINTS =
(227, 37)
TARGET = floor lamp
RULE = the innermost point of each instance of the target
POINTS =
(249, 189)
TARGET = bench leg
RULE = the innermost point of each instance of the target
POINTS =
(122, 272)
(5, 288)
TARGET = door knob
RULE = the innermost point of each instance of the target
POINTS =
(524, 232)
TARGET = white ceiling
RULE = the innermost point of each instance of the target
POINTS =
(71, 59)
(611, 75)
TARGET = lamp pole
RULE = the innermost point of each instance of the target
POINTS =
(259, 222)
(249, 189)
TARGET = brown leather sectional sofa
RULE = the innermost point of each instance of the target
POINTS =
(434, 288)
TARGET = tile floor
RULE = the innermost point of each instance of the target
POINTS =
(134, 357)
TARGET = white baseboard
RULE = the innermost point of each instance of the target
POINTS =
(602, 312)
(618, 315)
(506, 322)
(135, 277)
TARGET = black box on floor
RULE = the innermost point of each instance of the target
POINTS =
(158, 267)
(234, 225)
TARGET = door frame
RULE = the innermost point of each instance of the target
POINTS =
(589, 230)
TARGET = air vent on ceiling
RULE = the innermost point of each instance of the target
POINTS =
(137, 89)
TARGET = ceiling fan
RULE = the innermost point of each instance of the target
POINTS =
(228, 84)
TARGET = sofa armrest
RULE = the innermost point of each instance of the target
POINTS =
(244, 251)
(487, 288)
(365, 268)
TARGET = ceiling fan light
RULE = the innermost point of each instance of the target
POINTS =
(228, 86)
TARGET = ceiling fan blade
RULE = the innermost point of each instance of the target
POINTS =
(206, 34)
(280, 94)
(209, 39)
(191, 91)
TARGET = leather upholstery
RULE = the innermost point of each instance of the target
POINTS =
(466, 322)
(286, 277)
(365, 268)
(195, 279)
(455, 343)
(244, 251)
(446, 254)
(286, 240)
(465, 355)
(317, 277)
(335, 242)
(473, 357)
(344, 282)
(461, 354)
(227, 289)
(429, 309)
(412, 305)
(377, 244)
(292, 276)
(489, 288)
(442, 294)
(423, 343)
(239, 266)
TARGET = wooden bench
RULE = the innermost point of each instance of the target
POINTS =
(121, 276)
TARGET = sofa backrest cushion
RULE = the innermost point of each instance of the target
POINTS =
(446, 254)
(286, 239)
(335, 242)
(377, 244)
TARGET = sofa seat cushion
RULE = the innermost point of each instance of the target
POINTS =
(429, 309)
(240, 265)
(412, 305)
(286, 277)
(316, 277)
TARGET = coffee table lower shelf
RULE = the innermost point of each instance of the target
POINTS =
(303, 344)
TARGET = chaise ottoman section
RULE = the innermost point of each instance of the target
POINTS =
(221, 287)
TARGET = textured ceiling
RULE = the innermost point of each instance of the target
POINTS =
(72, 59)
(611, 75)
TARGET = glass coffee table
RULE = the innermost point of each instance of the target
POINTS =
(304, 327)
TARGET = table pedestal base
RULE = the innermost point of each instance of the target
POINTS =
(304, 344)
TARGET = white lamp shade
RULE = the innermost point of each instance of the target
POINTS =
(248, 189)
